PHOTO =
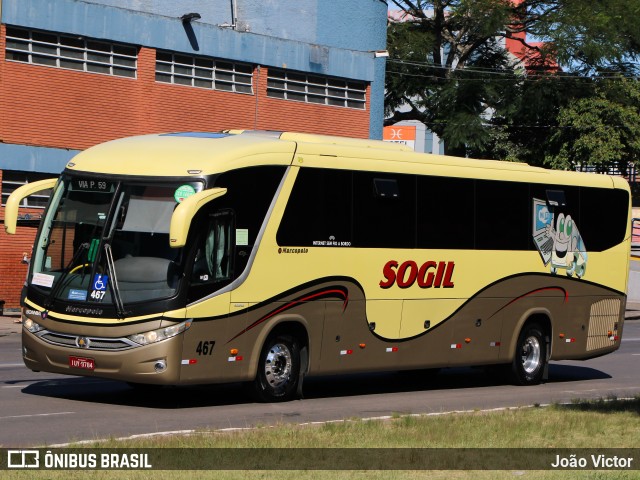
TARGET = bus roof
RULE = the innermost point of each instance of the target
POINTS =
(183, 154)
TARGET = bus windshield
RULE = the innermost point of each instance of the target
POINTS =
(106, 241)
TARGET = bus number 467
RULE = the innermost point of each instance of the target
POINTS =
(205, 348)
(97, 294)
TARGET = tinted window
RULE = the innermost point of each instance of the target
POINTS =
(213, 261)
(319, 209)
(384, 210)
(603, 217)
(503, 213)
(599, 214)
(571, 208)
(445, 212)
(249, 195)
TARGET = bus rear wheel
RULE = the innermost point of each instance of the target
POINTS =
(531, 356)
(278, 369)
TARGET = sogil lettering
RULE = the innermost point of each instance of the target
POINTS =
(429, 274)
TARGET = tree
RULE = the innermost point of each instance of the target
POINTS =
(448, 67)
(435, 72)
(601, 130)
(527, 116)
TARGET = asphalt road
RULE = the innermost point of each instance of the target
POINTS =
(41, 409)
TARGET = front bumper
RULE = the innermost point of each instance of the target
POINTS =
(138, 364)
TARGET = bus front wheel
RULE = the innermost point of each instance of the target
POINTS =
(531, 356)
(278, 369)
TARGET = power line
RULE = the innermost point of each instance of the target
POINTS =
(514, 77)
(517, 125)
(442, 67)
(513, 72)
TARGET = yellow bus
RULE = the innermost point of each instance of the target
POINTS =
(266, 257)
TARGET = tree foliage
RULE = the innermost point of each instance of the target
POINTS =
(601, 130)
(448, 68)
(431, 52)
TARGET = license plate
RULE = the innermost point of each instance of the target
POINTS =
(82, 362)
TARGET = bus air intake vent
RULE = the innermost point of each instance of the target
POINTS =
(604, 317)
(86, 343)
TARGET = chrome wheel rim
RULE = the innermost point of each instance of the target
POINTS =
(278, 365)
(531, 354)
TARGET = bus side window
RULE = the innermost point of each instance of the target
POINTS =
(213, 261)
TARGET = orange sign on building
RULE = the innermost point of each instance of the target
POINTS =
(404, 134)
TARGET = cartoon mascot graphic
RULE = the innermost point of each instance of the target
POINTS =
(558, 240)
(568, 251)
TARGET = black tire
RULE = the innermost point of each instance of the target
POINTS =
(278, 369)
(530, 360)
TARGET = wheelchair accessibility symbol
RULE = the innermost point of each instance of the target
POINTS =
(99, 287)
(100, 282)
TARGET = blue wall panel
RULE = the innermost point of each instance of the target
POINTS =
(358, 25)
(376, 114)
(34, 159)
(350, 24)
(100, 21)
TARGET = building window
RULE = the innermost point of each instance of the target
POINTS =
(71, 52)
(311, 88)
(11, 180)
(204, 72)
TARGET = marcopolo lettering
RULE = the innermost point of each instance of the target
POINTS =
(429, 274)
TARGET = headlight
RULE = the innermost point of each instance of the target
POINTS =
(32, 326)
(154, 336)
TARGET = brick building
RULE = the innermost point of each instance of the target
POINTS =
(74, 73)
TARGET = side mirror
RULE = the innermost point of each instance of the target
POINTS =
(15, 199)
(184, 213)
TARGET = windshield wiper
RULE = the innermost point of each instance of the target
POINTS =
(115, 290)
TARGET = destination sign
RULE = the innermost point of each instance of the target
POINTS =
(91, 185)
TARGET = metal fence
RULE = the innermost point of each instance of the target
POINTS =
(629, 173)
(635, 232)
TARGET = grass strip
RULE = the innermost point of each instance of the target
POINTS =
(605, 423)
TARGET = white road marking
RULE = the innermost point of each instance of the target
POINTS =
(37, 415)
(599, 390)
(11, 365)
